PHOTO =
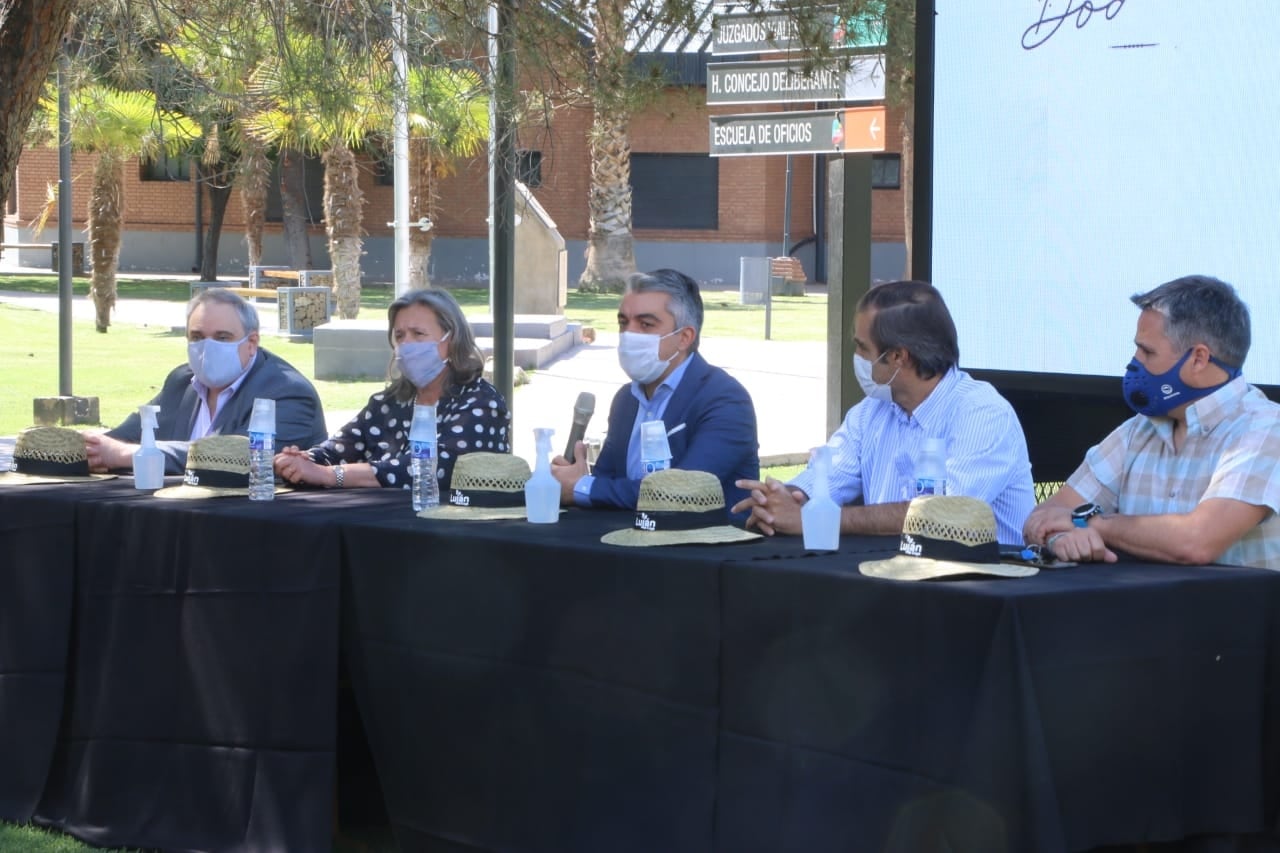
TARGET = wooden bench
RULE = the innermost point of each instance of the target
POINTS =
(270, 277)
(787, 276)
(300, 309)
(77, 254)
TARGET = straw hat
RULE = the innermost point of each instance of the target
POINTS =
(49, 455)
(678, 507)
(484, 486)
(945, 536)
(217, 466)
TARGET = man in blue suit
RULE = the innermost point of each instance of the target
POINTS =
(710, 421)
(213, 393)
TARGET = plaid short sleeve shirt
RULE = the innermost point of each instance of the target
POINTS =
(1232, 450)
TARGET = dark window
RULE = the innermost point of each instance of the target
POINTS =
(675, 191)
(529, 169)
(384, 168)
(886, 171)
(162, 167)
(312, 190)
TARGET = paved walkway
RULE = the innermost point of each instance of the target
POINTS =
(785, 379)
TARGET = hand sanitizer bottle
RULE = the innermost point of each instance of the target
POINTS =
(148, 461)
(820, 516)
(542, 491)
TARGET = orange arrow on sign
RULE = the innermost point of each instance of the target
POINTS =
(863, 129)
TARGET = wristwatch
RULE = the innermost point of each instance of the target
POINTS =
(1080, 515)
(339, 475)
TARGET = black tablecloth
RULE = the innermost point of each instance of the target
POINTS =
(527, 688)
(37, 553)
(200, 696)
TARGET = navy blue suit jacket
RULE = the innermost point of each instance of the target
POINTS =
(299, 415)
(719, 435)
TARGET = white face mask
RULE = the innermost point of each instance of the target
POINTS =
(638, 355)
(215, 363)
(862, 370)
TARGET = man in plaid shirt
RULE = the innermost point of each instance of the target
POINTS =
(1194, 477)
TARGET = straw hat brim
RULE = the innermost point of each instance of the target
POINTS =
(906, 568)
(14, 478)
(632, 538)
(195, 493)
(466, 513)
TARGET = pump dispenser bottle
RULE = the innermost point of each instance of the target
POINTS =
(542, 492)
(148, 461)
(820, 517)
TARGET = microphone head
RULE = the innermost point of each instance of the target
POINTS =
(586, 404)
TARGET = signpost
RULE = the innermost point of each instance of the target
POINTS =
(847, 131)
(786, 82)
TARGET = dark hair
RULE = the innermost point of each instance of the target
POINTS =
(466, 362)
(683, 299)
(1200, 309)
(911, 315)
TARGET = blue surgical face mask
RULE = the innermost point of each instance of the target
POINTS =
(420, 361)
(1157, 395)
(870, 387)
(215, 363)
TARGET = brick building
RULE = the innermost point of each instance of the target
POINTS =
(690, 210)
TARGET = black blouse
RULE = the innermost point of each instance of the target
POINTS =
(475, 417)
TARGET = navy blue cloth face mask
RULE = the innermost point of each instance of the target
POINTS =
(1155, 395)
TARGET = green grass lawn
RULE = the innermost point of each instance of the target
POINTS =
(126, 367)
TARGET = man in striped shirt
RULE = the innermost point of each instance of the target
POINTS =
(1194, 477)
(905, 356)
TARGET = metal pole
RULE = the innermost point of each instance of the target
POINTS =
(64, 227)
(786, 212)
(502, 202)
(400, 170)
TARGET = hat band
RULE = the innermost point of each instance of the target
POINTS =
(485, 498)
(51, 468)
(915, 545)
(652, 520)
(216, 479)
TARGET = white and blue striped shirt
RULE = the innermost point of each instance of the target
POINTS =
(873, 452)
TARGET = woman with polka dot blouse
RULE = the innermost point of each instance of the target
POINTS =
(435, 360)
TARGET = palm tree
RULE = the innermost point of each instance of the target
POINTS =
(448, 120)
(325, 99)
(117, 126)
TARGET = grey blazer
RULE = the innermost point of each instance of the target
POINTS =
(299, 416)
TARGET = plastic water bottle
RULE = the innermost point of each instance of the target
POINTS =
(820, 516)
(262, 450)
(542, 491)
(422, 447)
(655, 451)
(931, 468)
(148, 461)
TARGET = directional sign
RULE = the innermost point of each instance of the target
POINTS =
(776, 32)
(816, 132)
(783, 81)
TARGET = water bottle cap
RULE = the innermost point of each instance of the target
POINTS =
(935, 445)
(653, 441)
(263, 418)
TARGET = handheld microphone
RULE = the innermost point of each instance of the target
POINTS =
(582, 411)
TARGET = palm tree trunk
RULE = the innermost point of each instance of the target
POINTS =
(106, 221)
(255, 178)
(610, 252)
(421, 203)
(294, 209)
(217, 186)
(343, 204)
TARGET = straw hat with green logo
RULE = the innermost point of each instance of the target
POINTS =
(49, 454)
(678, 507)
(484, 486)
(946, 536)
(217, 467)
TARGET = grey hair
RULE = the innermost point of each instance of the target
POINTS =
(683, 299)
(466, 362)
(1201, 309)
(221, 296)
